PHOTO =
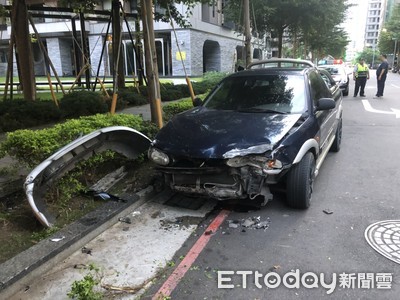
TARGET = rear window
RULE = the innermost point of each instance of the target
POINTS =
(283, 93)
(335, 70)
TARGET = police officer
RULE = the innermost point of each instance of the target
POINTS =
(360, 75)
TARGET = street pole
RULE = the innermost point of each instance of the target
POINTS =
(247, 31)
(373, 55)
(394, 52)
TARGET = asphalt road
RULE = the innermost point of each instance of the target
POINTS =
(355, 188)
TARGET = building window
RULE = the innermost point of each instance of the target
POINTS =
(209, 13)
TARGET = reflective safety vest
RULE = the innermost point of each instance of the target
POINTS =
(362, 70)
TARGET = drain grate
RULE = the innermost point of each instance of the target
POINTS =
(182, 201)
(384, 237)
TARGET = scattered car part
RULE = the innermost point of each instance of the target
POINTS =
(124, 140)
(107, 196)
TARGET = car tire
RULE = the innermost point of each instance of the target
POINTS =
(338, 138)
(299, 184)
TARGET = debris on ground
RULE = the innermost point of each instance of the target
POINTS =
(274, 268)
(183, 222)
(80, 266)
(86, 250)
(57, 239)
(251, 223)
(328, 211)
(126, 220)
(106, 196)
(135, 213)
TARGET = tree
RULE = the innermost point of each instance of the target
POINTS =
(311, 25)
(368, 54)
(318, 22)
(390, 34)
(386, 42)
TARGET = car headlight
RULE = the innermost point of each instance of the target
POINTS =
(158, 157)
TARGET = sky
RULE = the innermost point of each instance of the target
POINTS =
(355, 25)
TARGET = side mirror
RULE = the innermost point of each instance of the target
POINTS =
(197, 102)
(325, 104)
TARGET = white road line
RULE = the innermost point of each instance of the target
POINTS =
(368, 107)
(396, 86)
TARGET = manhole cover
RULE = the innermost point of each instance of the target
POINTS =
(384, 237)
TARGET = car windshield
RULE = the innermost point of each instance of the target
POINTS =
(261, 93)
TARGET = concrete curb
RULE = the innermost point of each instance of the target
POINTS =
(18, 271)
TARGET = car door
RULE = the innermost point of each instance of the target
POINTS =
(326, 118)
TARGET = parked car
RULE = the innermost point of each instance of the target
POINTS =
(268, 126)
(340, 75)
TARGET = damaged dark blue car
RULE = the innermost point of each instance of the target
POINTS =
(271, 124)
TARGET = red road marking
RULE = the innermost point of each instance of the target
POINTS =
(173, 280)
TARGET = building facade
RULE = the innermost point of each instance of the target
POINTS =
(209, 44)
(376, 13)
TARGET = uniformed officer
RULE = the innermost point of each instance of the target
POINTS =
(360, 75)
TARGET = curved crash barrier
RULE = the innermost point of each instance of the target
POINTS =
(124, 140)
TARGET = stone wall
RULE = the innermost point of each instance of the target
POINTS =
(191, 43)
(66, 57)
(53, 49)
(95, 46)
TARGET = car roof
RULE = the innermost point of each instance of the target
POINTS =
(281, 63)
(276, 66)
(270, 71)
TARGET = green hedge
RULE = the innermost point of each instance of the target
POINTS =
(20, 114)
(30, 147)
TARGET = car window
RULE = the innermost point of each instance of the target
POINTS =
(283, 93)
(318, 87)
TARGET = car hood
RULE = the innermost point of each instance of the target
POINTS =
(205, 133)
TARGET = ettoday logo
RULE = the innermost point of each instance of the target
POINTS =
(309, 280)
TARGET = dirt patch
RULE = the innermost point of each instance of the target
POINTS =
(20, 230)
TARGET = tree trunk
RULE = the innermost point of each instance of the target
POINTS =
(247, 32)
(153, 84)
(85, 50)
(118, 74)
(295, 44)
(280, 42)
(24, 49)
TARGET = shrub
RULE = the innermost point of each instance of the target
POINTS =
(19, 114)
(132, 97)
(172, 109)
(30, 147)
(82, 103)
(210, 80)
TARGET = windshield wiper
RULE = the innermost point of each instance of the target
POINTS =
(261, 110)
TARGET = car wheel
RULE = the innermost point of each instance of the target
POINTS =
(338, 138)
(300, 180)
